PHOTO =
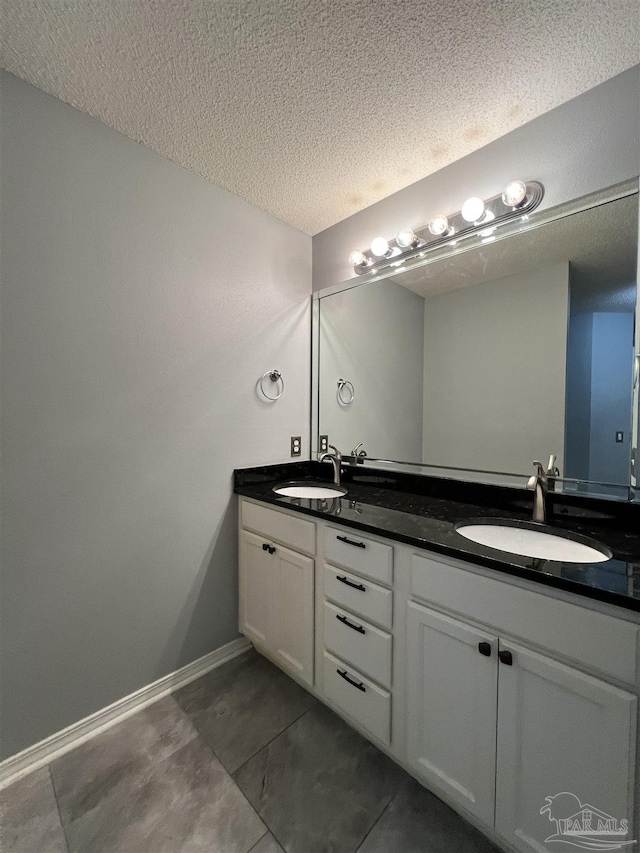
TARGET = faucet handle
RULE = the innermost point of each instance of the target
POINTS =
(532, 482)
(552, 468)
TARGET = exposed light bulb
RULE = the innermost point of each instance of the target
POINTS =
(379, 247)
(472, 209)
(357, 259)
(405, 238)
(514, 194)
(439, 225)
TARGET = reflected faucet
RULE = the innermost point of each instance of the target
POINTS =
(552, 472)
(335, 458)
(539, 484)
(357, 458)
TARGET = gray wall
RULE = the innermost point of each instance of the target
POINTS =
(139, 306)
(578, 410)
(373, 336)
(611, 395)
(494, 389)
(584, 145)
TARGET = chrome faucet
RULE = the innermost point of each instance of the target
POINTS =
(336, 459)
(539, 484)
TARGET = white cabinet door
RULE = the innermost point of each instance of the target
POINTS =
(566, 749)
(293, 610)
(451, 709)
(257, 575)
(276, 602)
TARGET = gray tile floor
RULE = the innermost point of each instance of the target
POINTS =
(243, 760)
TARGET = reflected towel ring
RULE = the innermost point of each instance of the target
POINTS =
(274, 376)
(346, 397)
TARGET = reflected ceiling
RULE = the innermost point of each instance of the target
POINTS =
(600, 243)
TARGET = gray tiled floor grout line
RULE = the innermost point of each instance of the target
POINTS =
(55, 797)
(232, 775)
(262, 837)
(376, 821)
(275, 737)
(257, 752)
(253, 808)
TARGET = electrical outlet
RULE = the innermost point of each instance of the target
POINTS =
(323, 443)
(296, 445)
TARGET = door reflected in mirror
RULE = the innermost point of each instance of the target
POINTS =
(490, 358)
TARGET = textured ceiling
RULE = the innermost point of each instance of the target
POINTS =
(315, 109)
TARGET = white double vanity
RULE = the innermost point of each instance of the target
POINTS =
(495, 692)
(506, 684)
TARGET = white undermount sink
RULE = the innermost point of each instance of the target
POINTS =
(309, 490)
(530, 539)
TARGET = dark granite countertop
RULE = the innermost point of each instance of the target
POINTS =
(422, 511)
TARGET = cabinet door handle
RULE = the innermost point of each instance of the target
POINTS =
(506, 658)
(345, 621)
(351, 542)
(344, 675)
(485, 649)
(265, 546)
(359, 586)
(272, 550)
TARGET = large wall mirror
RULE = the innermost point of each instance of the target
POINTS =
(487, 357)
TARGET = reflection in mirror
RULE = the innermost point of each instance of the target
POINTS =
(488, 359)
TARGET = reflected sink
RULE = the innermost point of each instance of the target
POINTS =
(310, 490)
(530, 539)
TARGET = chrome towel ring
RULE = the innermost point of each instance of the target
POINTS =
(346, 392)
(274, 376)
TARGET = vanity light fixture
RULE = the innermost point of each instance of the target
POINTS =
(514, 194)
(357, 259)
(472, 209)
(439, 225)
(380, 248)
(405, 238)
(516, 201)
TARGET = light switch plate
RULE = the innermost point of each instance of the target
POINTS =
(296, 445)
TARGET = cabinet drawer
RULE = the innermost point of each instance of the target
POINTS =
(359, 595)
(359, 698)
(358, 642)
(596, 640)
(298, 533)
(350, 549)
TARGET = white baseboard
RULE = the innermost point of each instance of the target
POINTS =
(58, 744)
